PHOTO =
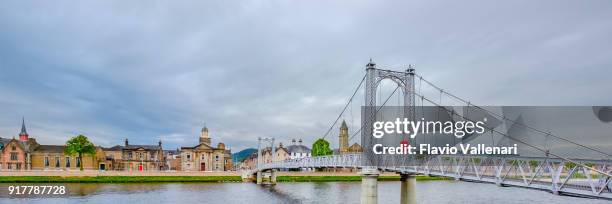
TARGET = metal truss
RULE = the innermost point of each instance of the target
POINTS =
(554, 175)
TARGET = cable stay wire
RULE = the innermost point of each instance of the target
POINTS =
(346, 106)
(381, 106)
(515, 139)
(510, 120)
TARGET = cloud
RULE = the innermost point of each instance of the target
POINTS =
(248, 69)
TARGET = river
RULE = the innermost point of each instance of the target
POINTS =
(306, 192)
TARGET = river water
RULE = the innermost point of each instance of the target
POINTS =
(305, 192)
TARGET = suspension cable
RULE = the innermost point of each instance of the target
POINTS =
(386, 100)
(518, 140)
(344, 109)
(508, 119)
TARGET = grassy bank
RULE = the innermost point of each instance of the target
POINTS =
(150, 179)
(116, 179)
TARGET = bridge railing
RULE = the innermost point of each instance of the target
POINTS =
(556, 175)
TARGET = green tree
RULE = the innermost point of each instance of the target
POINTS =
(321, 148)
(80, 146)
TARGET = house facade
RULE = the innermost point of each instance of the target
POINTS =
(12, 155)
(141, 157)
(52, 157)
(205, 157)
(298, 150)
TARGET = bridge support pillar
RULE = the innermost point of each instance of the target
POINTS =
(273, 177)
(408, 189)
(369, 185)
(259, 177)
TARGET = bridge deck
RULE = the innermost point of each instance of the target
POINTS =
(555, 175)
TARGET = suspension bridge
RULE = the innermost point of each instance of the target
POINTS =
(545, 169)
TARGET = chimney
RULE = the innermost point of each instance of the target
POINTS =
(126, 142)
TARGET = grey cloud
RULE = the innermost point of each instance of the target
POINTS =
(151, 70)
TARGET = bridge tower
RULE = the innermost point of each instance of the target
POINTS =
(371, 161)
(269, 146)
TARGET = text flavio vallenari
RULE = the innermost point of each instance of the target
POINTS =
(447, 149)
(455, 128)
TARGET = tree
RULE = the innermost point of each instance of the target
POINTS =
(321, 148)
(80, 146)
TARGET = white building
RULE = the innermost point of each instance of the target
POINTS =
(297, 151)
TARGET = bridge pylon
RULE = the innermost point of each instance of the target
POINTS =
(369, 185)
(270, 174)
(408, 188)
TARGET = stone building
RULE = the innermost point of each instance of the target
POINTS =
(250, 162)
(113, 158)
(27, 154)
(141, 157)
(173, 160)
(205, 157)
(343, 142)
(298, 150)
(12, 154)
(343, 138)
(52, 157)
(281, 154)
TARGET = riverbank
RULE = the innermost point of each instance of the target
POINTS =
(116, 179)
(158, 179)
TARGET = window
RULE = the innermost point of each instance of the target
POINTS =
(46, 161)
(67, 162)
(78, 160)
(9, 166)
(14, 148)
(14, 156)
(140, 155)
(216, 157)
(202, 157)
(188, 157)
(18, 166)
(217, 166)
(129, 155)
(57, 162)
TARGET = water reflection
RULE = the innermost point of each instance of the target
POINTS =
(306, 192)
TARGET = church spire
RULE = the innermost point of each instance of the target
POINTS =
(23, 135)
(343, 126)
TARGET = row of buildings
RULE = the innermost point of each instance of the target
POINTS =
(298, 150)
(26, 153)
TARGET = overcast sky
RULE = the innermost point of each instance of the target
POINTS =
(160, 70)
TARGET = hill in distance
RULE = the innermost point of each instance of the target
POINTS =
(239, 156)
